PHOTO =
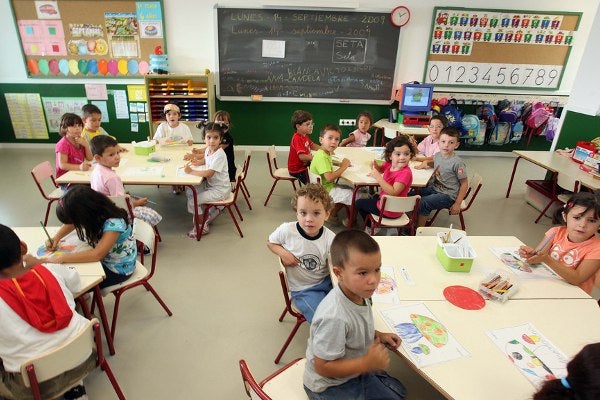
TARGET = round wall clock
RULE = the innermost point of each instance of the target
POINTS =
(400, 16)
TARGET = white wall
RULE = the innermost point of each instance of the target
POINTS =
(191, 39)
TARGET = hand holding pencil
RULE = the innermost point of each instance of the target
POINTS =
(534, 256)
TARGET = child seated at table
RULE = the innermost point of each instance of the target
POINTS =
(92, 118)
(582, 381)
(361, 135)
(72, 151)
(104, 226)
(38, 315)
(572, 250)
(215, 186)
(106, 181)
(346, 356)
(449, 185)
(301, 145)
(303, 247)
(430, 145)
(322, 165)
(394, 176)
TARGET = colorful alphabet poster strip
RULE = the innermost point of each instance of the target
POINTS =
(510, 257)
(424, 338)
(26, 115)
(533, 354)
(387, 290)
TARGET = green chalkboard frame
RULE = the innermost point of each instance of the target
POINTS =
(366, 76)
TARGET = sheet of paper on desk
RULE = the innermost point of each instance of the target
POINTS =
(181, 170)
(144, 171)
(420, 174)
(424, 338)
(535, 356)
(510, 257)
(387, 290)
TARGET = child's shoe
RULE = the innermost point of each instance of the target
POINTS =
(212, 214)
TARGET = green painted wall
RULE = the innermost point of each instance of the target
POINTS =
(578, 127)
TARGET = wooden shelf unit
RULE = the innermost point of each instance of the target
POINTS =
(194, 94)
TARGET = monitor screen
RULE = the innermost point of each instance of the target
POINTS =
(416, 97)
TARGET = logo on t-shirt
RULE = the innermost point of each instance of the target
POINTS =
(309, 262)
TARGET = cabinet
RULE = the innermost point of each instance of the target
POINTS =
(194, 94)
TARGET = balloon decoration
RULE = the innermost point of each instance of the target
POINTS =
(103, 66)
(83, 66)
(53, 65)
(122, 66)
(43, 66)
(73, 68)
(143, 67)
(132, 67)
(32, 66)
(63, 66)
(112, 67)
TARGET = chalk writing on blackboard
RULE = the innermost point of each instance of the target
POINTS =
(311, 54)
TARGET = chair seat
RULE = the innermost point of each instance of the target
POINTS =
(228, 200)
(283, 173)
(564, 197)
(139, 273)
(57, 193)
(288, 384)
(400, 221)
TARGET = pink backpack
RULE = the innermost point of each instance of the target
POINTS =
(539, 115)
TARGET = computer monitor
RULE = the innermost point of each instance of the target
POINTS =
(416, 98)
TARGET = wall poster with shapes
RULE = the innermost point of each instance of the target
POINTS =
(520, 49)
(88, 38)
(55, 107)
(26, 115)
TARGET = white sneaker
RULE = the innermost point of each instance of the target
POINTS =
(212, 214)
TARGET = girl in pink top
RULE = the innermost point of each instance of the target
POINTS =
(430, 145)
(361, 135)
(72, 151)
(572, 251)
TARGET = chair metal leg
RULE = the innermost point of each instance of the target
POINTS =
(462, 221)
(113, 326)
(271, 191)
(235, 221)
(150, 288)
(544, 211)
(433, 218)
(285, 312)
(289, 339)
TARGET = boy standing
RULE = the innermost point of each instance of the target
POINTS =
(303, 247)
(301, 145)
(322, 165)
(346, 356)
(450, 183)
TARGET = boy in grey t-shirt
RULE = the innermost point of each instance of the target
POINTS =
(450, 183)
(346, 356)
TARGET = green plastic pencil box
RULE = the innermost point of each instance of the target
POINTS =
(144, 148)
(454, 257)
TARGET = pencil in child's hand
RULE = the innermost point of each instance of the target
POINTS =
(46, 232)
(543, 244)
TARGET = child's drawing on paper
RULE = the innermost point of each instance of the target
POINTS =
(537, 358)
(43, 252)
(387, 290)
(426, 340)
(510, 257)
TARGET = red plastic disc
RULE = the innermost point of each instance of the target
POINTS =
(464, 297)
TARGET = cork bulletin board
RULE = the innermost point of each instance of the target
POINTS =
(509, 49)
(89, 38)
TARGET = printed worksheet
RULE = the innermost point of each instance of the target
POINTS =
(387, 290)
(144, 171)
(535, 356)
(510, 257)
(181, 171)
(425, 339)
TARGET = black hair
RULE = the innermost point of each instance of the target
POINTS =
(587, 200)
(10, 247)
(399, 141)
(89, 109)
(451, 131)
(583, 378)
(88, 210)
(440, 118)
(351, 239)
(99, 143)
(67, 120)
(366, 115)
(215, 127)
(299, 117)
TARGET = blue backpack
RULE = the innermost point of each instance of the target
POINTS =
(486, 113)
(454, 115)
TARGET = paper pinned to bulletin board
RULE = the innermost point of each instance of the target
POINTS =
(55, 107)
(520, 49)
(89, 38)
(26, 115)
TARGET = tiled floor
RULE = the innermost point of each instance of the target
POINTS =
(224, 291)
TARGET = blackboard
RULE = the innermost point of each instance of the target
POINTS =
(318, 55)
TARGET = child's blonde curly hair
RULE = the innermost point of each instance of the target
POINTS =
(315, 192)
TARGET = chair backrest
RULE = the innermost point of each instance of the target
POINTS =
(63, 358)
(272, 159)
(399, 204)
(285, 383)
(475, 184)
(144, 233)
(40, 173)
(567, 182)
(434, 230)
(312, 177)
(238, 184)
(286, 291)
(123, 202)
(246, 165)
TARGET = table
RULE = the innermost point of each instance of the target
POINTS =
(361, 159)
(131, 171)
(91, 274)
(555, 163)
(416, 254)
(384, 124)
(551, 305)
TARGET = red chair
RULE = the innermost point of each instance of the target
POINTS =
(244, 188)
(475, 184)
(41, 173)
(145, 235)
(554, 189)
(68, 356)
(289, 308)
(283, 384)
(278, 174)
